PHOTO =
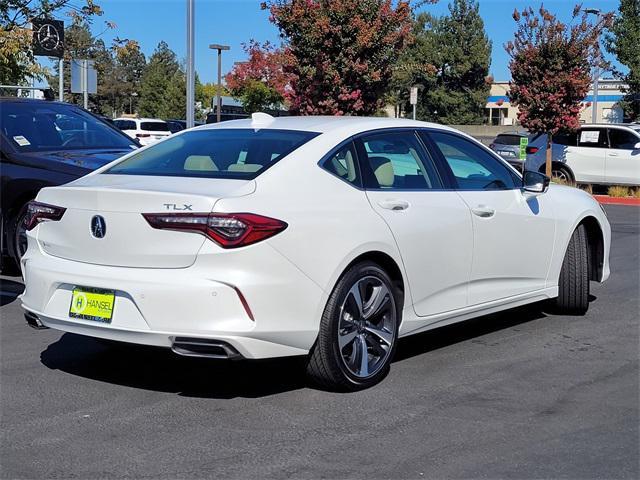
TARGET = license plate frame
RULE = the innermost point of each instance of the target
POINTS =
(91, 303)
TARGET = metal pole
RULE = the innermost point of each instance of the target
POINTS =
(594, 104)
(191, 77)
(85, 83)
(414, 111)
(219, 89)
(61, 80)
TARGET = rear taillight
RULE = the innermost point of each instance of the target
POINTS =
(40, 212)
(532, 150)
(229, 230)
(142, 135)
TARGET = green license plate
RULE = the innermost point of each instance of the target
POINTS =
(92, 304)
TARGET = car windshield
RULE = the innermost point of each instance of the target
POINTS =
(43, 126)
(154, 126)
(214, 153)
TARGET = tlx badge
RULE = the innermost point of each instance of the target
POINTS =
(174, 206)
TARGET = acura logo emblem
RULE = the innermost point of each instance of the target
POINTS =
(98, 226)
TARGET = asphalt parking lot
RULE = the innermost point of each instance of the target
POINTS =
(520, 394)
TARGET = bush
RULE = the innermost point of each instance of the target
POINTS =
(619, 191)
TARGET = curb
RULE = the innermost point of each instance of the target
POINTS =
(607, 200)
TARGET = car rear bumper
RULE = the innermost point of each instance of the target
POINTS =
(255, 301)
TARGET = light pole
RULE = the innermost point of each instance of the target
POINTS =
(596, 76)
(131, 97)
(191, 75)
(219, 48)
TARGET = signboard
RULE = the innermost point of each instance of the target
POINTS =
(524, 141)
(78, 73)
(413, 98)
(48, 38)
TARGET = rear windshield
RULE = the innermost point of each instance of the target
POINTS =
(154, 126)
(214, 153)
(508, 139)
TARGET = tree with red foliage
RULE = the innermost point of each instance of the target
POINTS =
(340, 53)
(550, 67)
(260, 83)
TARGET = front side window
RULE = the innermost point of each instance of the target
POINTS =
(472, 166)
(125, 124)
(45, 126)
(214, 153)
(622, 139)
(395, 160)
(343, 164)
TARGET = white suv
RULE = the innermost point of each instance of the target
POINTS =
(600, 154)
(145, 130)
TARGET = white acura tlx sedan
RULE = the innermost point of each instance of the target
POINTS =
(329, 237)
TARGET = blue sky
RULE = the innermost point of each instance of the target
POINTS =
(233, 22)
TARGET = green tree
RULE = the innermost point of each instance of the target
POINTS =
(17, 63)
(157, 77)
(340, 53)
(450, 60)
(174, 104)
(624, 42)
(130, 66)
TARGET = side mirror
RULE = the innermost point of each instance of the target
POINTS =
(534, 182)
(636, 146)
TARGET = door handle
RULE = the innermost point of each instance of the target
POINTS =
(483, 211)
(394, 204)
(613, 154)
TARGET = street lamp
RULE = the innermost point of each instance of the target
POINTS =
(219, 48)
(596, 76)
(191, 69)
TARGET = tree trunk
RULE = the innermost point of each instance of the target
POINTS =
(547, 171)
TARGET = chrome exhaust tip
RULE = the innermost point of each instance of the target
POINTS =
(204, 347)
(33, 321)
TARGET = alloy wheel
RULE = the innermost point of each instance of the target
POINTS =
(367, 327)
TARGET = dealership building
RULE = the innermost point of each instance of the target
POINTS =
(499, 111)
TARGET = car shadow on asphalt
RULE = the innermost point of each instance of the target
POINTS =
(9, 291)
(158, 369)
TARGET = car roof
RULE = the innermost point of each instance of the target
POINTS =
(324, 124)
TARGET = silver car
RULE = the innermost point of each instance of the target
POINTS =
(507, 145)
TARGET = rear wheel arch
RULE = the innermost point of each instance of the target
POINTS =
(389, 265)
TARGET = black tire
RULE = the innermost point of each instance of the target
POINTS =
(560, 172)
(327, 366)
(14, 232)
(573, 285)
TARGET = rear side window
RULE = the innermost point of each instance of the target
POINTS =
(214, 153)
(592, 137)
(343, 164)
(154, 126)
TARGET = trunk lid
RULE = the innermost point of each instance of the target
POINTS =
(120, 200)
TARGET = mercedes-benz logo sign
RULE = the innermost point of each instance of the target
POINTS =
(98, 226)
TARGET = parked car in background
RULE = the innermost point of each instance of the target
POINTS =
(507, 145)
(176, 126)
(42, 144)
(145, 130)
(598, 154)
(329, 237)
